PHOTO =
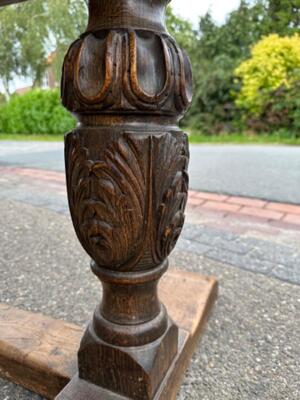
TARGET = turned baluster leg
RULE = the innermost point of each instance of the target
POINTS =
(128, 83)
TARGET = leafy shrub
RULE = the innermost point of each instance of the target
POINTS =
(219, 50)
(273, 64)
(280, 114)
(214, 109)
(36, 112)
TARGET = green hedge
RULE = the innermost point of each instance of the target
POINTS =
(280, 114)
(36, 112)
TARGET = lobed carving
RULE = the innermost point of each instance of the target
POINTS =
(126, 71)
(128, 208)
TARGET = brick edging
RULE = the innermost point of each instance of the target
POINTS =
(280, 213)
(245, 206)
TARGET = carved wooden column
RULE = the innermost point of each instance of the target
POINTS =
(128, 83)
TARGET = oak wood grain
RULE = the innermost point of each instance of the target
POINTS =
(40, 353)
(128, 83)
(36, 351)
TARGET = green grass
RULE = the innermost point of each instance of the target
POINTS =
(30, 138)
(243, 139)
(194, 138)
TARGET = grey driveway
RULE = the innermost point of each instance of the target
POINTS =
(44, 155)
(250, 349)
(267, 172)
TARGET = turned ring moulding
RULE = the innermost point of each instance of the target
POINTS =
(136, 14)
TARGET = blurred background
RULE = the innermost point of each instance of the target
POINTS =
(243, 214)
(245, 56)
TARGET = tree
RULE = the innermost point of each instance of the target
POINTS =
(219, 50)
(8, 50)
(31, 33)
(274, 63)
(31, 30)
(283, 16)
(67, 20)
(22, 45)
(181, 30)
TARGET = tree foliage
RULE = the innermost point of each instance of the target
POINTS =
(283, 16)
(219, 51)
(181, 30)
(30, 31)
(274, 63)
(280, 113)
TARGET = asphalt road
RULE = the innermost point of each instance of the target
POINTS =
(267, 172)
(250, 348)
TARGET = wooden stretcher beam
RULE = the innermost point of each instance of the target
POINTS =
(40, 353)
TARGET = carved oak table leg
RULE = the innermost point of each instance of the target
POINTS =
(128, 83)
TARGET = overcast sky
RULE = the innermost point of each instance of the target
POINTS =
(192, 9)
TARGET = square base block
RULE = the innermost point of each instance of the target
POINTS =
(40, 353)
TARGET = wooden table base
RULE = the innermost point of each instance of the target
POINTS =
(40, 353)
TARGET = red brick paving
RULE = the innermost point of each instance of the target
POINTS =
(278, 214)
(292, 219)
(209, 196)
(283, 207)
(261, 213)
(193, 201)
(221, 206)
(40, 174)
(244, 201)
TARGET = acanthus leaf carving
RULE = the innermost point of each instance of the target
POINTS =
(117, 223)
(107, 201)
(171, 193)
